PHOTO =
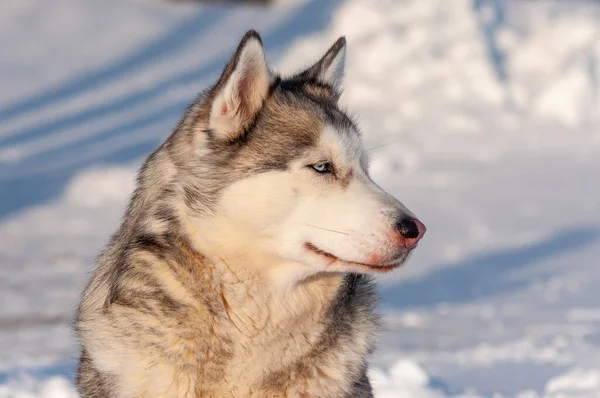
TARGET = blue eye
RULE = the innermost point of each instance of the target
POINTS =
(322, 168)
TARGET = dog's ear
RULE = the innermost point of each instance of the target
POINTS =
(330, 68)
(241, 89)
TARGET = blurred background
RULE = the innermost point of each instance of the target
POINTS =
(483, 117)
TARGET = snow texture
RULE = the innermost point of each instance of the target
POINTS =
(482, 116)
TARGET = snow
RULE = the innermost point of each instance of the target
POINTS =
(405, 379)
(53, 387)
(482, 116)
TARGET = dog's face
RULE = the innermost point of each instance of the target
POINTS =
(297, 184)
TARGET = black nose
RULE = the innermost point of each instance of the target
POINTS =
(408, 228)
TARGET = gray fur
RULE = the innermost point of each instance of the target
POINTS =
(126, 300)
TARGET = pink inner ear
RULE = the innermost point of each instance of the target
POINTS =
(224, 108)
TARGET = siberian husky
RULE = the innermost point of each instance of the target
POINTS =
(241, 268)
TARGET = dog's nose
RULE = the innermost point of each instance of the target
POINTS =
(412, 231)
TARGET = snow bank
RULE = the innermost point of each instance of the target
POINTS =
(407, 379)
(577, 383)
(552, 61)
(27, 387)
(404, 60)
(404, 379)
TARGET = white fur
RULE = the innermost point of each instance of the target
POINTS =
(249, 82)
(334, 73)
(268, 218)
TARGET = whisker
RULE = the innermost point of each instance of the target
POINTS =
(324, 229)
(382, 145)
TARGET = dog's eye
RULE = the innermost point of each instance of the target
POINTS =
(322, 168)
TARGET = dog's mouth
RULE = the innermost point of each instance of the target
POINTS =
(334, 260)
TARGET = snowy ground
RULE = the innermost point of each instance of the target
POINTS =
(484, 117)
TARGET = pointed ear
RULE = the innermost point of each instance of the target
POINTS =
(241, 89)
(330, 68)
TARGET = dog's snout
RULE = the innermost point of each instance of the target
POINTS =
(412, 230)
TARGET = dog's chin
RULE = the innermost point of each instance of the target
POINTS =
(335, 263)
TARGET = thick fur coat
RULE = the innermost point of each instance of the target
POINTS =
(240, 268)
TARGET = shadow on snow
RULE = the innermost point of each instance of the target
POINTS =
(484, 274)
(45, 175)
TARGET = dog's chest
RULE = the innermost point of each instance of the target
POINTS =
(290, 348)
(312, 345)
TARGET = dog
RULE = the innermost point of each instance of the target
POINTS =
(242, 265)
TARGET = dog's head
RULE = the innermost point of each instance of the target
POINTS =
(275, 167)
